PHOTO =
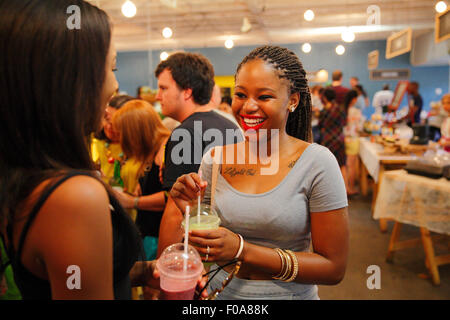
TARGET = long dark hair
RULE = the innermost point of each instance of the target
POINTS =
(289, 67)
(352, 94)
(50, 92)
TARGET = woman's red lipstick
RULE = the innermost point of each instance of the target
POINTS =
(247, 127)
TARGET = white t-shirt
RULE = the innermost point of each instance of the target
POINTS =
(382, 98)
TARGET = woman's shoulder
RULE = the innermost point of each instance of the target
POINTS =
(78, 195)
(317, 155)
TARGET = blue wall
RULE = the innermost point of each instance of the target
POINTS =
(136, 68)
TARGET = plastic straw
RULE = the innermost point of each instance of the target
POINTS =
(186, 236)
(198, 200)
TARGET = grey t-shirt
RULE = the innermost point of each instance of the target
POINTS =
(280, 218)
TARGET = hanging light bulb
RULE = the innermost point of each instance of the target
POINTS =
(441, 6)
(348, 36)
(308, 15)
(163, 56)
(129, 9)
(340, 49)
(229, 44)
(167, 32)
(306, 47)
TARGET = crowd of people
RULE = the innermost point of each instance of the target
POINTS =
(98, 180)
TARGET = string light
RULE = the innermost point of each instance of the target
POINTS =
(167, 32)
(306, 48)
(129, 9)
(441, 6)
(348, 36)
(163, 56)
(229, 44)
(309, 15)
(340, 49)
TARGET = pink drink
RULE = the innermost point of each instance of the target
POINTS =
(177, 295)
(179, 273)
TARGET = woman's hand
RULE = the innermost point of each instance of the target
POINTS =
(186, 190)
(222, 243)
(150, 279)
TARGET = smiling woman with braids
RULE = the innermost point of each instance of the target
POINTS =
(269, 221)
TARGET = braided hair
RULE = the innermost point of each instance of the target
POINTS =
(289, 67)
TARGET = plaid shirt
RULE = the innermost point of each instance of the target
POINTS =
(332, 122)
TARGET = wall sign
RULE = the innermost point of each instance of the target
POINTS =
(372, 59)
(389, 74)
(442, 29)
(399, 43)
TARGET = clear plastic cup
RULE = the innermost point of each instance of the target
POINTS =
(179, 273)
(208, 219)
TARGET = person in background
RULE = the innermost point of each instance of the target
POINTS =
(445, 127)
(8, 288)
(362, 101)
(142, 137)
(105, 146)
(185, 87)
(336, 85)
(316, 106)
(139, 92)
(270, 220)
(382, 99)
(215, 103)
(332, 120)
(225, 105)
(351, 132)
(415, 103)
(354, 81)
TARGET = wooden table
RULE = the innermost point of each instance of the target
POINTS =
(374, 163)
(419, 201)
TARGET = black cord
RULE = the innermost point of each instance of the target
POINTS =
(216, 271)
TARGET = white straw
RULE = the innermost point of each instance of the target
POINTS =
(198, 200)
(186, 236)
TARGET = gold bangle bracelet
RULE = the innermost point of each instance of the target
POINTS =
(295, 262)
(288, 271)
(283, 264)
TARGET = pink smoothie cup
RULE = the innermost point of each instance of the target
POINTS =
(179, 273)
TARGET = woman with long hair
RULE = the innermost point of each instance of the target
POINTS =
(57, 218)
(105, 145)
(268, 220)
(142, 137)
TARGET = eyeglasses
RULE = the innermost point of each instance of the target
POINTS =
(213, 295)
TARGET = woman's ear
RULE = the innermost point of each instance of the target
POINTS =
(294, 99)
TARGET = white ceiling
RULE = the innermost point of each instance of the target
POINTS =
(208, 23)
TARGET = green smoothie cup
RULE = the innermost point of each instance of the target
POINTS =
(206, 219)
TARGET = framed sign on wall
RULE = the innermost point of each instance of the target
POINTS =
(399, 43)
(442, 29)
(372, 59)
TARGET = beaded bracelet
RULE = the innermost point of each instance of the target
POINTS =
(295, 262)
